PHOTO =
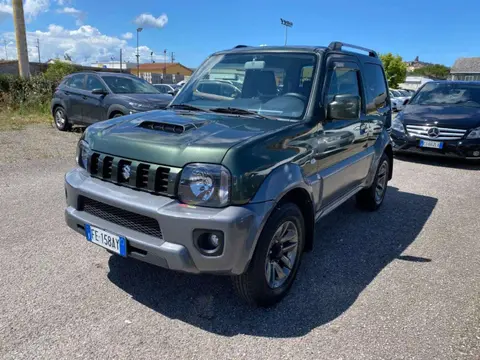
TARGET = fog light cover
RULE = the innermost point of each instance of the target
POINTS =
(209, 242)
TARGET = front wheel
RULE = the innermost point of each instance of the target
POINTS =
(372, 198)
(276, 259)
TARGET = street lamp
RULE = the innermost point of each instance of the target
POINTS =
(287, 24)
(138, 55)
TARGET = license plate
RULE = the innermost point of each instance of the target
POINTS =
(431, 144)
(114, 243)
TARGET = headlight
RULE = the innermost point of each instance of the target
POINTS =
(83, 151)
(398, 125)
(474, 134)
(204, 185)
(140, 105)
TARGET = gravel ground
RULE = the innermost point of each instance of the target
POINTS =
(401, 283)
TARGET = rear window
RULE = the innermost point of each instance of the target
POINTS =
(376, 89)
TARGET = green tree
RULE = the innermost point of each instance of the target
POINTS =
(58, 70)
(435, 71)
(395, 69)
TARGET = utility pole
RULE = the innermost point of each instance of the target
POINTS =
(173, 57)
(121, 60)
(38, 48)
(164, 63)
(151, 56)
(138, 55)
(6, 52)
(287, 24)
(21, 37)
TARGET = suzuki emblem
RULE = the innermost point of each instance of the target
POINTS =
(126, 172)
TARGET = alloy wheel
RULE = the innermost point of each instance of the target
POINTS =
(382, 177)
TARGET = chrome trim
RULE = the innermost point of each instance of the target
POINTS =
(444, 133)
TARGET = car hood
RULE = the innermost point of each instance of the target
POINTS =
(147, 98)
(176, 138)
(456, 117)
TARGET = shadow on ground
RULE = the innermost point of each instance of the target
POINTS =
(440, 161)
(351, 248)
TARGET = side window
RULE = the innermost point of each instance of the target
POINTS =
(93, 83)
(76, 81)
(376, 91)
(343, 81)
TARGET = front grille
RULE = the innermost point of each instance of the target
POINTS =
(157, 179)
(422, 132)
(128, 219)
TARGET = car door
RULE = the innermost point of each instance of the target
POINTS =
(94, 104)
(342, 151)
(378, 109)
(74, 88)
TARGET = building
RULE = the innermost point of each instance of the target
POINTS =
(157, 73)
(414, 82)
(114, 65)
(467, 69)
(415, 64)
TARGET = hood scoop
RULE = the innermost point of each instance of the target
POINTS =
(168, 127)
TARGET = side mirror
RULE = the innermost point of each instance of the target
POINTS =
(171, 92)
(344, 107)
(405, 102)
(99, 91)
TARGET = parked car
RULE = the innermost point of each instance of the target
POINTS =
(218, 88)
(165, 88)
(442, 118)
(235, 185)
(397, 100)
(87, 97)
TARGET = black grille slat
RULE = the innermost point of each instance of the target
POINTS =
(156, 179)
(128, 219)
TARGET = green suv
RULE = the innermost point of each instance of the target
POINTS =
(233, 182)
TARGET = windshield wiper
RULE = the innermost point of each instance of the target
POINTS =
(237, 111)
(186, 107)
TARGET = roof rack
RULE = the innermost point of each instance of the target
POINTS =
(337, 45)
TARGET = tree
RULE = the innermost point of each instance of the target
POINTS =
(58, 70)
(435, 71)
(395, 69)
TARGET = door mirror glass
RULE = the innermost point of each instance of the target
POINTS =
(344, 107)
(99, 91)
(171, 92)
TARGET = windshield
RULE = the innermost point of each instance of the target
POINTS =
(448, 94)
(129, 85)
(396, 93)
(273, 84)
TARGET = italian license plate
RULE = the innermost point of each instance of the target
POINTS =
(109, 241)
(431, 144)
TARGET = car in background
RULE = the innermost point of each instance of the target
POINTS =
(85, 98)
(217, 88)
(442, 118)
(165, 88)
(397, 100)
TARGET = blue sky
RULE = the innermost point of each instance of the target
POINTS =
(91, 30)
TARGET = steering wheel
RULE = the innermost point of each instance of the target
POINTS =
(296, 95)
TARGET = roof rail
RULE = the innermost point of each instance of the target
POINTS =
(337, 45)
(240, 46)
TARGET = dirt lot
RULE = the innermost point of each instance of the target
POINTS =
(401, 283)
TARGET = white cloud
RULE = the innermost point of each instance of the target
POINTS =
(63, 2)
(77, 14)
(31, 8)
(85, 45)
(127, 36)
(150, 21)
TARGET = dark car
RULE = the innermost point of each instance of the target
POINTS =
(442, 118)
(235, 183)
(85, 98)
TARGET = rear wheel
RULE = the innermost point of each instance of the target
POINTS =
(276, 259)
(372, 198)
(60, 119)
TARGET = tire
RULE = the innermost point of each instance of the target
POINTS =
(60, 119)
(117, 115)
(370, 199)
(252, 286)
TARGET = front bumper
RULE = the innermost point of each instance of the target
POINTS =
(175, 249)
(464, 149)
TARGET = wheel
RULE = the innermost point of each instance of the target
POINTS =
(275, 262)
(372, 198)
(61, 120)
